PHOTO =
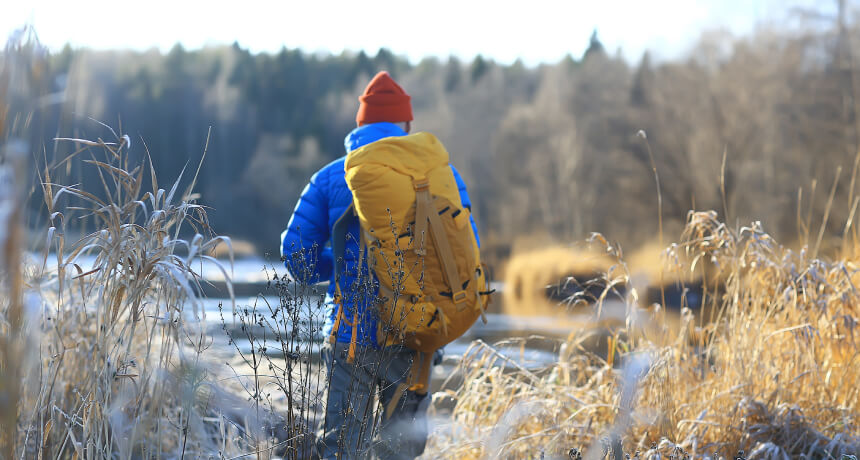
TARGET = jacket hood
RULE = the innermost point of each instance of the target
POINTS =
(365, 134)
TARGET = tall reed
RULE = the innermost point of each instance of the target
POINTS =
(117, 370)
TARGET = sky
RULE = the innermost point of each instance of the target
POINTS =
(536, 31)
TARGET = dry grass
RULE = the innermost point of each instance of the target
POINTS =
(112, 363)
(774, 375)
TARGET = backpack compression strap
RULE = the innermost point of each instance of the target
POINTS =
(425, 212)
(338, 248)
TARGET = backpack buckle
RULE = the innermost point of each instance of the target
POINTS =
(421, 184)
(459, 297)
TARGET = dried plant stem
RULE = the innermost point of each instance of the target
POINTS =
(723, 185)
(826, 217)
(644, 137)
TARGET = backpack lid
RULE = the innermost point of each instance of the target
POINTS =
(412, 155)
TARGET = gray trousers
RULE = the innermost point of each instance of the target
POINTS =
(353, 428)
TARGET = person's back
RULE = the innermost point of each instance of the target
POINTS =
(384, 112)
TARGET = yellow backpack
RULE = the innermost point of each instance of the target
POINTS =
(419, 244)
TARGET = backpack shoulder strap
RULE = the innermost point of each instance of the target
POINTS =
(338, 239)
(338, 247)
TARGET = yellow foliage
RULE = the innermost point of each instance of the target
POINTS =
(529, 273)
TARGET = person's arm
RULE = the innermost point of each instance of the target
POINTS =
(466, 202)
(303, 242)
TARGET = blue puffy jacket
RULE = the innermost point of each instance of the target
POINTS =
(305, 243)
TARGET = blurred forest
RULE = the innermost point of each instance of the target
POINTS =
(550, 152)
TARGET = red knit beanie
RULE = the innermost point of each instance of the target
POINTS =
(383, 100)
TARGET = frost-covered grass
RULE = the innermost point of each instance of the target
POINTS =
(775, 373)
(109, 359)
